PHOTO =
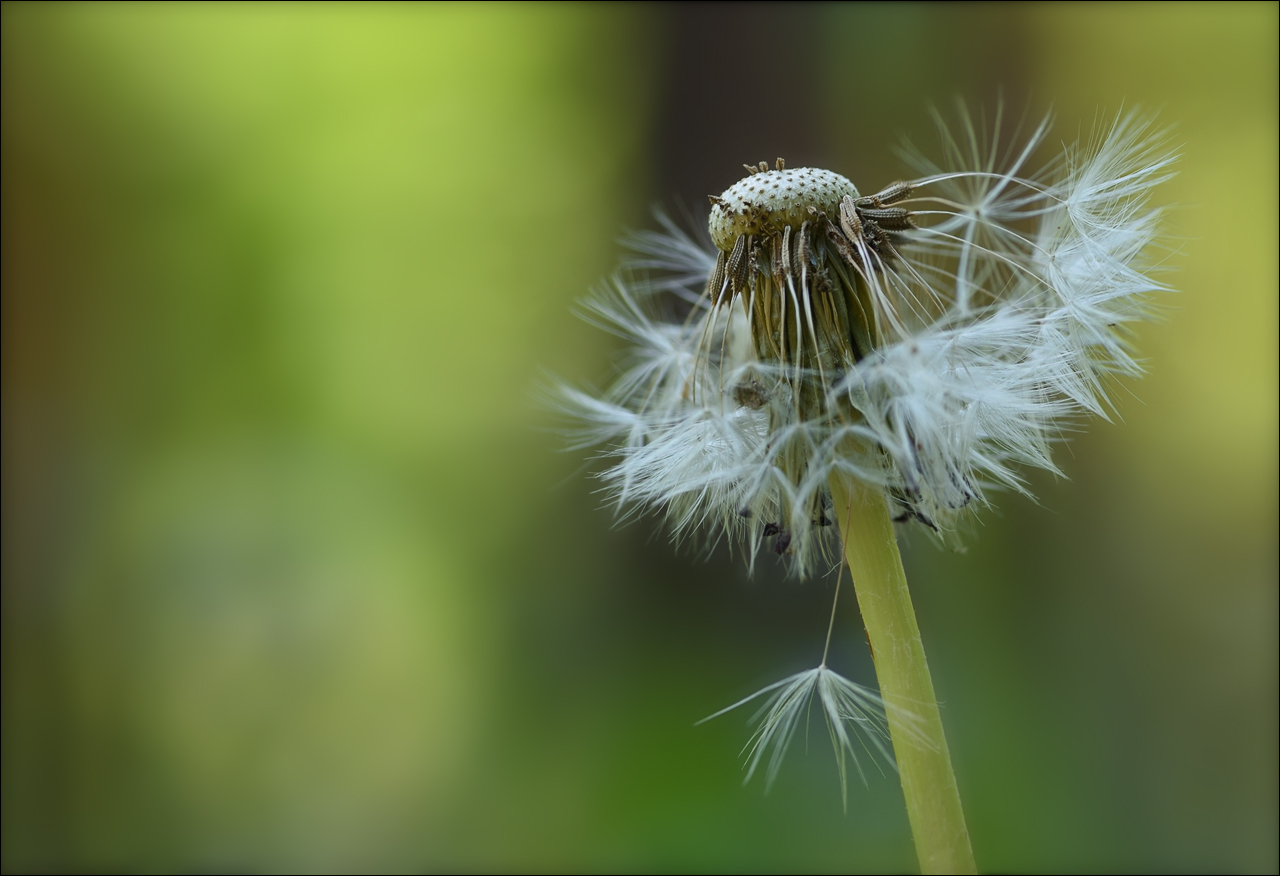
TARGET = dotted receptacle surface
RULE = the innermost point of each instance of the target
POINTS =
(769, 201)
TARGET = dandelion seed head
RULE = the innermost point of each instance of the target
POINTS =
(934, 339)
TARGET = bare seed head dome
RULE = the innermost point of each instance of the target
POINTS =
(767, 201)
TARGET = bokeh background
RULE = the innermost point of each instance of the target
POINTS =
(297, 576)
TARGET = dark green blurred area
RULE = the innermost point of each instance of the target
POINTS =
(295, 577)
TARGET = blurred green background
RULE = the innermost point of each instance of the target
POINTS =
(296, 577)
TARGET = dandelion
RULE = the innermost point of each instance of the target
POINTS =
(837, 362)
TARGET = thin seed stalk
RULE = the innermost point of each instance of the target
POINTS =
(915, 724)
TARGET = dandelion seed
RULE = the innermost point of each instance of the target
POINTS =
(845, 707)
(903, 352)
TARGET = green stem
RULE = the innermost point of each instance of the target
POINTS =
(915, 724)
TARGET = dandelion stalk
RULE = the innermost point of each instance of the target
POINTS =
(915, 724)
